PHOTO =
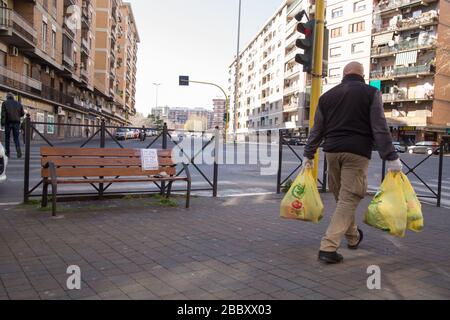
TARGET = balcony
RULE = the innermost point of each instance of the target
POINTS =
(290, 108)
(85, 46)
(84, 73)
(68, 61)
(18, 81)
(15, 30)
(418, 95)
(291, 54)
(426, 19)
(56, 96)
(399, 4)
(403, 72)
(292, 72)
(291, 89)
(403, 45)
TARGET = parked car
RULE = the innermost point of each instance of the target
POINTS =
(124, 134)
(151, 133)
(424, 147)
(297, 141)
(400, 147)
(3, 164)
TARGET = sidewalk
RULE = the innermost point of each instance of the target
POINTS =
(233, 248)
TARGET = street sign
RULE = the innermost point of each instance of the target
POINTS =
(184, 80)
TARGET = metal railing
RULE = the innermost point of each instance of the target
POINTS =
(282, 182)
(403, 45)
(11, 19)
(17, 80)
(402, 71)
(411, 170)
(101, 133)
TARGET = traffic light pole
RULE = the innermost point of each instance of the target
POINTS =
(227, 104)
(316, 85)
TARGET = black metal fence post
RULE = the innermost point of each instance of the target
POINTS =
(280, 160)
(165, 134)
(441, 163)
(325, 174)
(26, 180)
(216, 161)
(102, 145)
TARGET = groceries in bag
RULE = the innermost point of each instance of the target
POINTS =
(303, 202)
(388, 210)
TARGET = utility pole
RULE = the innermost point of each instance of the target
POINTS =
(317, 73)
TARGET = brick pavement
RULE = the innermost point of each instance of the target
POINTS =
(233, 248)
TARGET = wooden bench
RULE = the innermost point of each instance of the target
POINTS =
(63, 166)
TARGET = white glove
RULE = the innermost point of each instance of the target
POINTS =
(308, 163)
(394, 166)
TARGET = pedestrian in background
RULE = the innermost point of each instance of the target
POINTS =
(12, 113)
(349, 120)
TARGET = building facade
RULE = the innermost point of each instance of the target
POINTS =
(409, 64)
(272, 91)
(50, 58)
(219, 114)
(350, 28)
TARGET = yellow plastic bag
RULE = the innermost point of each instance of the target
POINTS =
(388, 210)
(303, 202)
(414, 214)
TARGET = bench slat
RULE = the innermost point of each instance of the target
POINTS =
(107, 162)
(106, 172)
(98, 152)
(88, 181)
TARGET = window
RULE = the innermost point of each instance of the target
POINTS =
(359, 6)
(335, 52)
(44, 35)
(357, 47)
(51, 124)
(356, 27)
(336, 32)
(53, 43)
(26, 69)
(335, 72)
(336, 13)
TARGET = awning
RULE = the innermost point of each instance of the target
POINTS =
(406, 58)
(382, 38)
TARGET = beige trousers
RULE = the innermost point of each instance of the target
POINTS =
(347, 176)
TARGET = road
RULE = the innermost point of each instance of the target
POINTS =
(234, 179)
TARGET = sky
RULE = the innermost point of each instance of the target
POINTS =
(191, 37)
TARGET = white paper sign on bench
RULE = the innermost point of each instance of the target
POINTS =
(149, 159)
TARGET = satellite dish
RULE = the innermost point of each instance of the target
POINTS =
(391, 43)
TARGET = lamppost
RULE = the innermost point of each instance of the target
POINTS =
(156, 86)
(236, 87)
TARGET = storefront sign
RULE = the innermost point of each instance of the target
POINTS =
(407, 128)
(51, 125)
(376, 84)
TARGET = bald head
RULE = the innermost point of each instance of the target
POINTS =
(354, 68)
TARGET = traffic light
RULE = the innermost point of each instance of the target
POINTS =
(307, 44)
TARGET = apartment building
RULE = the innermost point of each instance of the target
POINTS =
(125, 86)
(218, 120)
(350, 27)
(271, 87)
(48, 52)
(410, 65)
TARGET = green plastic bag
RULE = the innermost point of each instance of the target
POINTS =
(414, 207)
(388, 210)
(303, 201)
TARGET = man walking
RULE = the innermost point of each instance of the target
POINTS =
(12, 112)
(350, 119)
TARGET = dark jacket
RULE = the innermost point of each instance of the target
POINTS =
(350, 118)
(12, 111)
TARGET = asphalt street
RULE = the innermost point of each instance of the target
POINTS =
(234, 179)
